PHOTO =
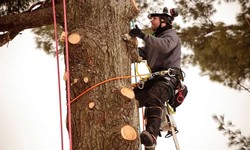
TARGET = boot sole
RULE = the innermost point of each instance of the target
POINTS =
(147, 139)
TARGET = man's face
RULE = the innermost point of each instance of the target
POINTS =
(155, 22)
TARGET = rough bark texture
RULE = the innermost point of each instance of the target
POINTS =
(101, 54)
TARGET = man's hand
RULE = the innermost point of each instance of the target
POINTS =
(136, 32)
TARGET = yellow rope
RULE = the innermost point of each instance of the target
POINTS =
(139, 75)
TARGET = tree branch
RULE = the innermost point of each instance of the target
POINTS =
(13, 24)
(28, 20)
(244, 87)
(246, 17)
(5, 38)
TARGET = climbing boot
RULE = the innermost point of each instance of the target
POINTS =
(148, 140)
(152, 117)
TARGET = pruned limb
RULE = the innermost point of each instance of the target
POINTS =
(128, 133)
(6, 37)
(65, 76)
(74, 81)
(129, 93)
(91, 105)
(85, 79)
(62, 37)
(74, 38)
(132, 43)
(135, 6)
(126, 37)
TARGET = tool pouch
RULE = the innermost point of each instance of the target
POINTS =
(179, 97)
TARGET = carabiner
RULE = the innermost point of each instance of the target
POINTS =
(141, 84)
(169, 72)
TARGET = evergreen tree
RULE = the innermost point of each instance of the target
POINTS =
(222, 51)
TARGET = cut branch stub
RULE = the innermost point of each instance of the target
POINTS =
(62, 36)
(75, 81)
(86, 79)
(74, 38)
(91, 105)
(126, 37)
(65, 76)
(129, 93)
(135, 5)
(128, 133)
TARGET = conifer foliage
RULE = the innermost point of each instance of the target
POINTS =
(235, 136)
(222, 51)
(14, 6)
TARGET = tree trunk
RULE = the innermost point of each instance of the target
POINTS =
(100, 54)
(107, 116)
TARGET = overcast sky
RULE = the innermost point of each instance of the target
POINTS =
(29, 110)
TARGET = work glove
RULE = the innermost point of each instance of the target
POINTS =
(136, 32)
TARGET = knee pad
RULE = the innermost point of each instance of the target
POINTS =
(153, 112)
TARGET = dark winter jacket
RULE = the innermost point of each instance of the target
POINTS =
(162, 52)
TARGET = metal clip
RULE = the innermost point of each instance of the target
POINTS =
(169, 72)
(141, 84)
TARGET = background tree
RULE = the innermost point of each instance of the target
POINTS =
(8, 7)
(222, 51)
(235, 136)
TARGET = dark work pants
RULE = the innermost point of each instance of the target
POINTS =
(154, 94)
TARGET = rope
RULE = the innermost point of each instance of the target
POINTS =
(102, 82)
(120, 77)
(67, 70)
(58, 72)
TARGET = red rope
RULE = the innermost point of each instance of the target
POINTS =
(67, 70)
(58, 72)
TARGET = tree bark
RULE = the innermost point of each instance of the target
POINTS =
(98, 117)
(101, 54)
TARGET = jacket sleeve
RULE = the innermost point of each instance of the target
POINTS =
(164, 44)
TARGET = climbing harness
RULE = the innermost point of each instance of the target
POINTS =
(151, 75)
(168, 123)
(169, 72)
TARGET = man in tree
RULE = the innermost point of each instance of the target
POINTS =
(163, 54)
